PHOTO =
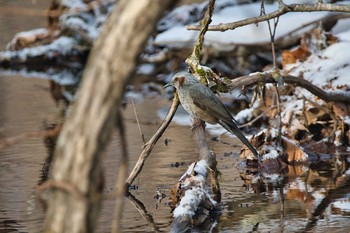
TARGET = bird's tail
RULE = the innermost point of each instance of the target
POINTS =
(233, 128)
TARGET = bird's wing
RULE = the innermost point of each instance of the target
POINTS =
(207, 101)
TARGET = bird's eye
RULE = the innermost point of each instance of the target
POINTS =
(176, 79)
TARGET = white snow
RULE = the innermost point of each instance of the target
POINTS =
(63, 45)
(347, 120)
(73, 4)
(246, 115)
(30, 35)
(201, 169)
(328, 67)
(272, 178)
(271, 154)
(298, 183)
(176, 37)
(146, 69)
(179, 36)
(343, 205)
(190, 202)
(63, 77)
(193, 197)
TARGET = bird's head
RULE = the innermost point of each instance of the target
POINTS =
(181, 79)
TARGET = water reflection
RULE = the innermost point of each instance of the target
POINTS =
(305, 195)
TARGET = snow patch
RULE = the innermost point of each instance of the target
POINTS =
(179, 36)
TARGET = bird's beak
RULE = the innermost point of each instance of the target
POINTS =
(168, 84)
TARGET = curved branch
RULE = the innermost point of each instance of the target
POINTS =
(193, 60)
(282, 9)
(268, 77)
(152, 142)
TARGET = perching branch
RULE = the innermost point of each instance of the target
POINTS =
(282, 9)
(198, 126)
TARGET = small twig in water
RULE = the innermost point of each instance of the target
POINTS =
(138, 122)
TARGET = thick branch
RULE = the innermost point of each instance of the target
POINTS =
(268, 77)
(283, 9)
(77, 159)
(198, 125)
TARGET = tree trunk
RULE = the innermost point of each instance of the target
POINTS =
(76, 180)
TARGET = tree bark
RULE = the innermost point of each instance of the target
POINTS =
(74, 206)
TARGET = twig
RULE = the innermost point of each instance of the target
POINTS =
(194, 59)
(282, 9)
(138, 122)
(204, 24)
(278, 103)
(272, 38)
(272, 33)
(151, 143)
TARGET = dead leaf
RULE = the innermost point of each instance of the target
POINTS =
(293, 152)
(292, 56)
(340, 109)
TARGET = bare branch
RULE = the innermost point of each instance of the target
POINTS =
(152, 142)
(282, 9)
(268, 77)
(194, 59)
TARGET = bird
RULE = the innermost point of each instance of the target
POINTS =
(201, 102)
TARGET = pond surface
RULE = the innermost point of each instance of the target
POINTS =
(314, 198)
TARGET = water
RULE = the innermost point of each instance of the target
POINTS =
(312, 198)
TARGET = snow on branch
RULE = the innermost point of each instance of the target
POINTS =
(282, 9)
(191, 197)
